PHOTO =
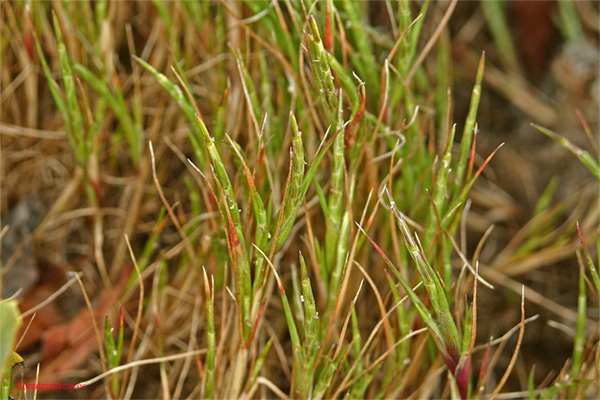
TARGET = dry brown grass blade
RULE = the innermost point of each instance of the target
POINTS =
(502, 341)
(382, 357)
(466, 262)
(532, 295)
(138, 318)
(25, 331)
(411, 376)
(170, 211)
(365, 348)
(16, 131)
(138, 195)
(37, 380)
(597, 366)
(481, 243)
(93, 318)
(539, 259)
(517, 347)
(313, 255)
(96, 330)
(348, 268)
(184, 373)
(382, 311)
(432, 40)
(139, 363)
(474, 328)
(271, 49)
(347, 320)
(518, 91)
(264, 381)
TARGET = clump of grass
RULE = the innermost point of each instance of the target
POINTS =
(266, 173)
(11, 322)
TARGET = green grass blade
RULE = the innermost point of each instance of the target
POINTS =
(579, 344)
(249, 88)
(301, 380)
(334, 208)
(322, 74)
(324, 379)
(109, 342)
(589, 262)
(340, 260)
(356, 341)
(403, 323)
(407, 56)
(113, 350)
(467, 329)
(404, 19)
(296, 190)
(234, 228)
(497, 22)
(117, 103)
(441, 189)
(358, 388)
(285, 38)
(5, 385)
(459, 201)
(260, 214)
(531, 384)
(431, 282)
(570, 22)
(260, 362)
(210, 338)
(544, 201)
(467, 137)
(53, 86)
(365, 59)
(119, 349)
(188, 110)
(583, 156)
(57, 96)
(444, 83)
(10, 322)
(421, 309)
(435, 290)
(321, 196)
(72, 102)
(346, 81)
(311, 316)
